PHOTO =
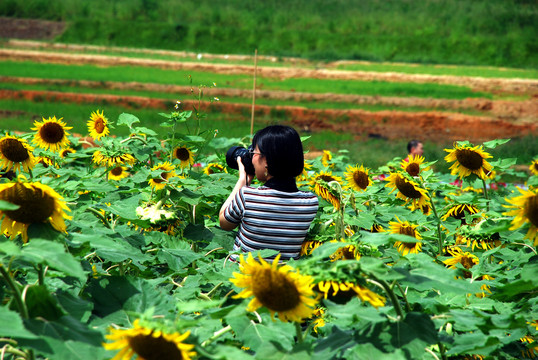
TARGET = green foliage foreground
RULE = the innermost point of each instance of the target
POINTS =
(143, 254)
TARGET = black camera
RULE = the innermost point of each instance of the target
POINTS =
(244, 154)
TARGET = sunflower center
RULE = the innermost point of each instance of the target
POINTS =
(164, 177)
(154, 348)
(531, 210)
(35, 205)
(469, 159)
(14, 150)
(52, 133)
(182, 154)
(361, 179)
(348, 253)
(274, 290)
(326, 178)
(407, 189)
(467, 262)
(407, 230)
(99, 126)
(413, 169)
(116, 171)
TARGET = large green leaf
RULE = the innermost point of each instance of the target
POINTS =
(52, 254)
(11, 325)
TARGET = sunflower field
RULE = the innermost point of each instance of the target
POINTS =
(111, 249)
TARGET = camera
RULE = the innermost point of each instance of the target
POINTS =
(244, 154)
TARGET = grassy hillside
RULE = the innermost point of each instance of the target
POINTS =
(480, 32)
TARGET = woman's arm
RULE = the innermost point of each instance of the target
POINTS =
(242, 181)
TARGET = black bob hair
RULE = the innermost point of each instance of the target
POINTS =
(412, 144)
(282, 147)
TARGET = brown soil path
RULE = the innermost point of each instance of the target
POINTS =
(515, 86)
(518, 111)
(434, 126)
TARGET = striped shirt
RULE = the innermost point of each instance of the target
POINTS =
(271, 219)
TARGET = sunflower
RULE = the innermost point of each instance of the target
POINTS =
(167, 172)
(38, 203)
(45, 161)
(309, 246)
(213, 168)
(466, 259)
(118, 173)
(525, 208)
(319, 320)
(320, 185)
(408, 190)
(413, 165)
(529, 352)
(347, 252)
(51, 134)
(15, 152)
(280, 289)
(112, 160)
(148, 344)
(97, 125)
(469, 160)
(357, 177)
(345, 290)
(479, 242)
(405, 228)
(534, 167)
(65, 152)
(184, 155)
(459, 211)
(426, 208)
(326, 157)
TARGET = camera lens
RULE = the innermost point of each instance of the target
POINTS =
(234, 152)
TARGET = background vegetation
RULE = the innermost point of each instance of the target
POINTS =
(487, 32)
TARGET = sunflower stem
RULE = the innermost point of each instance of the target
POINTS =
(299, 332)
(41, 274)
(100, 216)
(442, 350)
(438, 221)
(216, 335)
(173, 140)
(392, 297)
(485, 193)
(16, 292)
(407, 306)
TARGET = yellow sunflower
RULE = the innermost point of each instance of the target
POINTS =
(413, 165)
(118, 173)
(480, 242)
(534, 167)
(347, 252)
(103, 159)
(184, 155)
(97, 125)
(65, 152)
(15, 152)
(320, 185)
(466, 259)
(326, 157)
(45, 161)
(408, 190)
(405, 228)
(281, 289)
(459, 211)
(146, 344)
(38, 203)
(346, 289)
(469, 160)
(357, 177)
(213, 168)
(529, 352)
(308, 246)
(167, 172)
(51, 134)
(525, 208)
(319, 320)
(426, 208)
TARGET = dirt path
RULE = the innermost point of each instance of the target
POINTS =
(514, 86)
(517, 111)
(434, 126)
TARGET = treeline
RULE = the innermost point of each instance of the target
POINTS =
(478, 32)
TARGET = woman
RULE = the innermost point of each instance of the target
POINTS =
(275, 215)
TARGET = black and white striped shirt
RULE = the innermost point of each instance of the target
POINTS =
(271, 219)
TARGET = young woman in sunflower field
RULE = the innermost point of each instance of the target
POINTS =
(275, 215)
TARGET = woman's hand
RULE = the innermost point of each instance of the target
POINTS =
(244, 178)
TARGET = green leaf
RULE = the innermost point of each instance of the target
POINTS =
(494, 143)
(40, 303)
(52, 254)
(11, 325)
(177, 259)
(4, 205)
(127, 119)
